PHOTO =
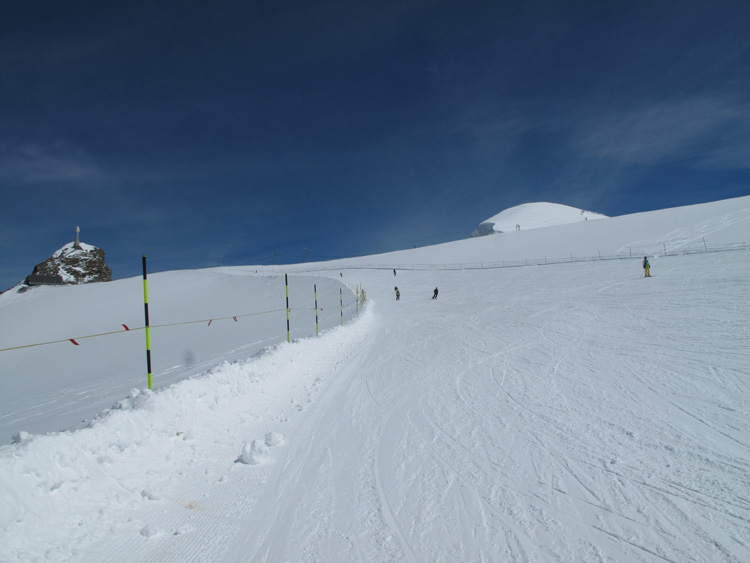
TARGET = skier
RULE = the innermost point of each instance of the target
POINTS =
(398, 293)
(646, 267)
(434, 293)
(394, 272)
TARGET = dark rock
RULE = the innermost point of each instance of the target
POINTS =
(73, 265)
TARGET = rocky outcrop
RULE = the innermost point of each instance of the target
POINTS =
(76, 262)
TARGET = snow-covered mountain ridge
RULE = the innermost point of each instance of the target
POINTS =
(533, 216)
(669, 231)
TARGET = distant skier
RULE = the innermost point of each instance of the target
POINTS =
(646, 267)
(394, 272)
(434, 293)
(398, 293)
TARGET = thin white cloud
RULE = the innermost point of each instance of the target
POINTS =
(733, 153)
(697, 129)
(36, 164)
(491, 130)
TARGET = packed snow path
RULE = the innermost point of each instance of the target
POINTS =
(568, 414)
(562, 413)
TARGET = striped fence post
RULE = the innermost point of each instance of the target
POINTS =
(148, 334)
(315, 288)
(288, 333)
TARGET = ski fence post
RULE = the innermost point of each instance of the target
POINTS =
(315, 289)
(286, 283)
(341, 300)
(148, 334)
(704, 243)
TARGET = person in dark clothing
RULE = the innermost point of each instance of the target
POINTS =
(398, 293)
(434, 293)
(394, 272)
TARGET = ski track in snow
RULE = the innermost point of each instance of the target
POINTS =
(573, 412)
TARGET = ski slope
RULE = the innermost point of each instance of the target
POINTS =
(564, 412)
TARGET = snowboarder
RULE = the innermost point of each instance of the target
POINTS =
(646, 267)
(398, 293)
(434, 293)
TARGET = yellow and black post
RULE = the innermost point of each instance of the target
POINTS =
(315, 289)
(286, 282)
(148, 334)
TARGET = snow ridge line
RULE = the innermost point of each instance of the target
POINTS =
(461, 266)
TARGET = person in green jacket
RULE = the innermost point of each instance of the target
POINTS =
(646, 267)
(398, 293)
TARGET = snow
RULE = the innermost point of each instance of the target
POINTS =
(71, 384)
(255, 453)
(573, 411)
(534, 216)
(70, 249)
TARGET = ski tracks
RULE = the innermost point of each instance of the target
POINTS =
(547, 425)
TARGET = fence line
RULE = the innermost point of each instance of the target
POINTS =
(679, 251)
(164, 325)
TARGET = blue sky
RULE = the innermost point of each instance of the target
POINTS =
(249, 132)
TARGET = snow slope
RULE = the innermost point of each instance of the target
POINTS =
(671, 231)
(55, 386)
(533, 216)
(569, 412)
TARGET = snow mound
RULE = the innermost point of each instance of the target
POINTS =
(533, 216)
(256, 453)
(274, 439)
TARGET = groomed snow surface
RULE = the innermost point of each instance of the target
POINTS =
(569, 412)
